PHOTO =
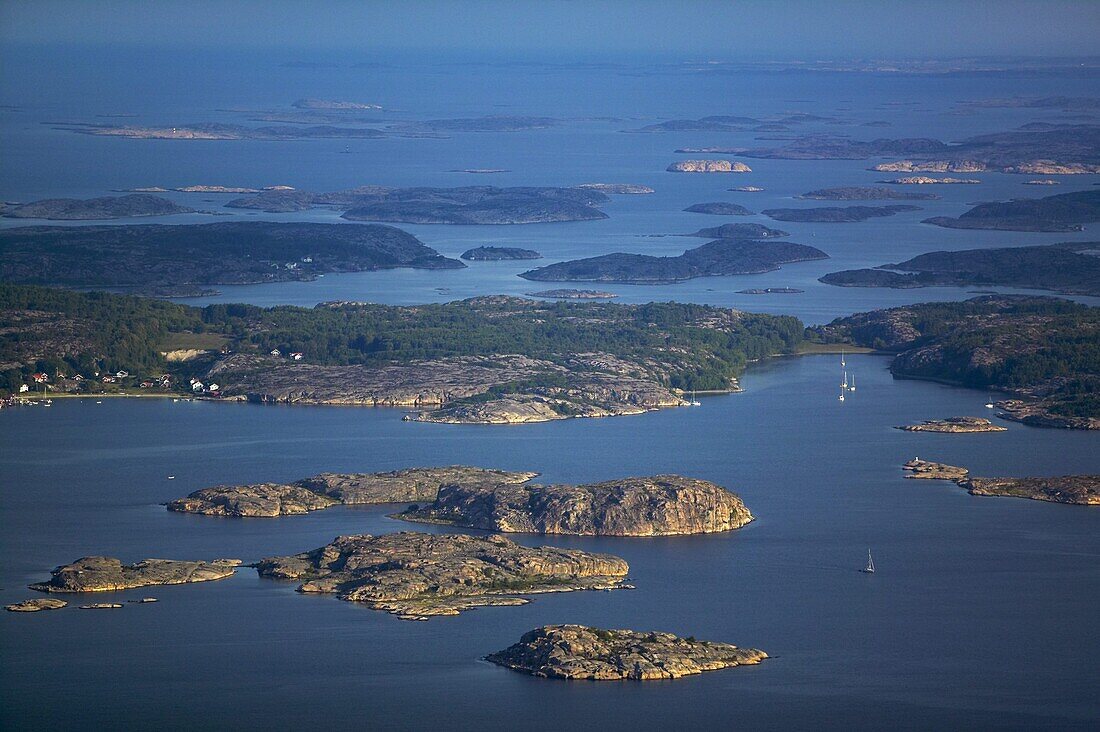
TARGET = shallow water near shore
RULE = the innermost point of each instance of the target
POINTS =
(977, 614)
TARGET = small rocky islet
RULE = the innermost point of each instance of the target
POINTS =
(955, 425)
(108, 574)
(36, 605)
(580, 652)
(416, 576)
(1081, 490)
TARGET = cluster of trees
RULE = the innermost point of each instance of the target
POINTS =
(125, 332)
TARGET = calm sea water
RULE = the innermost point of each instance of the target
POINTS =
(978, 616)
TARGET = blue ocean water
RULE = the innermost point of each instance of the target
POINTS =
(977, 618)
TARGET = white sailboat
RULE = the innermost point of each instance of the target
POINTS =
(694, 402)
(841, 397)
(870, 568)
(842, 364)
(853, 385)
(844, 384)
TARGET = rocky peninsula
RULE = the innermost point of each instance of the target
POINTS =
(329, 489)
(716, 258)
(708, 166)
(720, 208)
(866, 193)
(107, 574)
(1082, 490)
(94, 209)
(954, 425)
(835, 214)
(497, 254)
(579, 652)
(660, 505)
(417, 576)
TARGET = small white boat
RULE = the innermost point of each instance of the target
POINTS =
(171, 477)
(841, 397)
(870, 568)
(98, 402)
(842, 364)
(694, 402)
(853, 385)
(844, 384)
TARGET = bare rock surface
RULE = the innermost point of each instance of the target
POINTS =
(416, 576)
(708, 166)
(36, 605)
(104, 574)
(954, 425)
(934, 471)
(660, 505)
(579, 652)
(1083, 490)
(329, 489)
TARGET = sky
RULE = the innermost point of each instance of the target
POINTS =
(733, 29)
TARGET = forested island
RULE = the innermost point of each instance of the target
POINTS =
(835, 214)
(151, 257)
(464, 205)
(1059, 213)
(488, 359)
(720, 208)
(716, 258)
(496, 254)
(1043, 351)
(866, 193)
(740, 231)
(1070, 268)
(93, 209)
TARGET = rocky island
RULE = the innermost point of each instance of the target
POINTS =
(225, 131)
(720, 208)
(1029, 347)
(660, 505)
(708, 166)
(1060, 213)
(924, 180)
(107, 574)
(954, 425)
(464, 205)
(866, 193)
(579, 652)
(93, 209)
(835, 214)
(417, 576)
(569, 293)
(618, 189)
(36, 605)
(771, 291)
(716, 258)
(1069, 268)
(740, 231)
(1082, 490)
(496, 254)
(330, 489)
(148, 256)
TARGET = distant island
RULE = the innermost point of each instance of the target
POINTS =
(420, 576)
(716, 258)
(1029, 347)
(493, 254)
(489, 360)
(835, 214)
(746, 189)
(924, 180)
(1069, 268)
(619, 189)
(1083, 490)
(157, 257)
(572, 294)
(866, 193)
(224, 131)
(1035, 149)
(708, 166)
(1060, 213)
(740, 231)
(465, 205)
(720, 208)
(579, 652)
(661, 505)
(333, 104)
(771, 291)
(93, 209)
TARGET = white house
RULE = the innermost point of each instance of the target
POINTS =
(122, 374)
(213, 387)
(23, 388)
(276, 352)
(197, 386)
(297, 356)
